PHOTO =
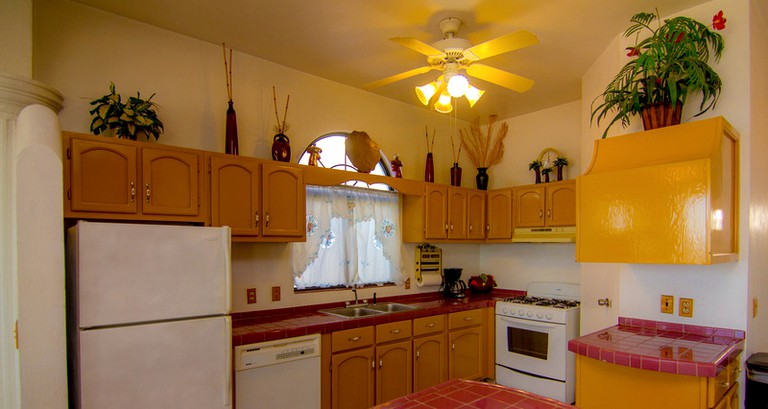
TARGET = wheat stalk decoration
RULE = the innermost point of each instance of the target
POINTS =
(484, 150)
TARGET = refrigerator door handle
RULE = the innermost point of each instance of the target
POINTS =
(228, 386)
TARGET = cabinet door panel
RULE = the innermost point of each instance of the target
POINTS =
(466, 354)
(393, 378)
(499, 218)
(352, 379)
(561, 204)
(283, 201)
(529, 207)
(457, 214)
(435, 212)
(429, 361)
(235, 187)
(103, 177)
(170, 182)
(476, 215)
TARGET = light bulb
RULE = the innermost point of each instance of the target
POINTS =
(473, 94)
(425, 92)
(443, 104)
(457, 86)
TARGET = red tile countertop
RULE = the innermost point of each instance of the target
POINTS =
(268, 325)
(460, 394)
(663, 347)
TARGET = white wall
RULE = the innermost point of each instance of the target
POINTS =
(16, 37)
(719, 291)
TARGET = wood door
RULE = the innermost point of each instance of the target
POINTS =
(235, 189)
(457, 213)
(352, 379)
(476, 214)
(465, 358)
(561, 204)
(394, 369)
(499, 217)
(170, 182)
(435, 212)
(430, 361)
(283, 201)
(103, 177)
(529, 206)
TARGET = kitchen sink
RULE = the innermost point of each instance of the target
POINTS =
(368, 310)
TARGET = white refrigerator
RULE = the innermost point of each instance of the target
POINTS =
(148, 316)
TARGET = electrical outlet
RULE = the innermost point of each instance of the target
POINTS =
(276, 293)
(686, 307)
(251, 295)
(408, 283)
(668, 304)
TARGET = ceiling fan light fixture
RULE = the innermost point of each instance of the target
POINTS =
(426, 92)
(473, 94)
(457, 85)
(443, 104)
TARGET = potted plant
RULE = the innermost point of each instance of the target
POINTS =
(125, 120)
(536, 167)
(560, 162)
(546, 172)
(664, 68)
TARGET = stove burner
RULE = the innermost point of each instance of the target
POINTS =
(546, 302)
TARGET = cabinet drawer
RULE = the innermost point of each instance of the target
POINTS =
(428, 325)
(351, 338)
(465, 318)
(393, 331)
(717, 386)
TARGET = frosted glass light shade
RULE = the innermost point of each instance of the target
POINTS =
(473, 94)
(425, 92)
(457, 86)
(443, 104)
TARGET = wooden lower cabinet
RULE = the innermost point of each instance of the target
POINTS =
(352, 379)
(466, 340)
(393, 373)
(605, 385)
(430, 363)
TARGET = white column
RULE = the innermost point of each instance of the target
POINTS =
(31, 254)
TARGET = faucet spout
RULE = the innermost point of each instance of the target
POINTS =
(354, 290)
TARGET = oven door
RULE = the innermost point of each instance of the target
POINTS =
(533, 347)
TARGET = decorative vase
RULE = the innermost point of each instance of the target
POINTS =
(429, 169)
(231, 133)
(482, 179)
(281, 148)
(559, 173)
(661, 114)
(546, 177)
(538, 176)
(455, 175)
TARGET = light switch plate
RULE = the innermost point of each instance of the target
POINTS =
(668, 304)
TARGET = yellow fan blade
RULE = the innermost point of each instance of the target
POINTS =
(500, 45)
(417, 46)
(499, 77)
(398, 77)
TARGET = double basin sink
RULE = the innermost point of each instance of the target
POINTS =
(367, 310)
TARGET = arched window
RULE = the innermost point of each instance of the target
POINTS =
(334, 156)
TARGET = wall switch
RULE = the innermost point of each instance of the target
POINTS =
(276, 293)
(668, 304)
(686, 307)
(251, 295)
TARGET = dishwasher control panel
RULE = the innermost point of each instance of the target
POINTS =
(276, 352)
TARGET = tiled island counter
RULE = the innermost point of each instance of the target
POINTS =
(644, 364)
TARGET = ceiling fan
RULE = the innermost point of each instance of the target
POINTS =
(454, 54)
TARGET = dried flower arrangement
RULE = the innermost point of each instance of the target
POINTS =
(282, 126)
(484, 150)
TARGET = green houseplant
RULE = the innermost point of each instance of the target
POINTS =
(125, 119)
(664, 68)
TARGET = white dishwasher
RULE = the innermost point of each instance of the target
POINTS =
(278, 374)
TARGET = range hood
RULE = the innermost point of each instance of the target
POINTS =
(545, 235)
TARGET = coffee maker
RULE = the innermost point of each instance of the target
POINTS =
(453, 286)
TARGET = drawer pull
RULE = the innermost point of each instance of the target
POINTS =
(354, 339)
(431, 325)
(724, 385)
(467, 318)
(395, 331)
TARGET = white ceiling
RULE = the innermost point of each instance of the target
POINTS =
(347, 41)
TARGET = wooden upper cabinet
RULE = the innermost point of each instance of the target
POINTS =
(499, 214)
(551, 204)
(457, 213)
(170, 181)
(436, 212)
(103, 177)
(235, 190)
(476, 214)
(283, 201)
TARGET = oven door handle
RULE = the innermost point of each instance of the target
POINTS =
(538, 324)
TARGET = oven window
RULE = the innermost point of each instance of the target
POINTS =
(527, 342)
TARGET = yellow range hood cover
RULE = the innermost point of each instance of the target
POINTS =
(669, 195)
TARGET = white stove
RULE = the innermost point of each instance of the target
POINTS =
(532, 335)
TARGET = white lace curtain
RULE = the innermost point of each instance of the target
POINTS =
(353, 238)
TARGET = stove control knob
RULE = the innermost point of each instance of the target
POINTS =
(530, 313)
(549, 315)
(521, 312)
(506, 310)
(539, 314)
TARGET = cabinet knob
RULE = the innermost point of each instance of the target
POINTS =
(148, 191)
(418, 353)
(470, 227)
(453, 347)
(133, 191)
(256, 218)
(549, 214)
(541, 214)
(266, 219)
(381, 362)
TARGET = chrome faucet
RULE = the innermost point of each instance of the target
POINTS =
(354, 290)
